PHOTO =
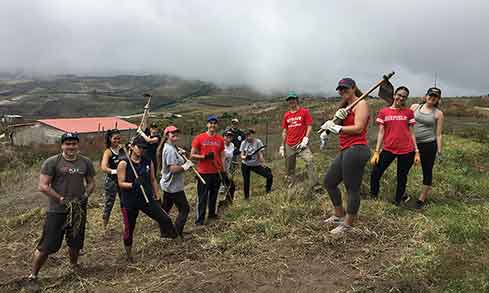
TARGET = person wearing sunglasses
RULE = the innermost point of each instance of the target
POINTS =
(396, 139)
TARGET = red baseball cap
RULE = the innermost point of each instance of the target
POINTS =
(169, 129)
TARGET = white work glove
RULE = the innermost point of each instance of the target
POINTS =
(332, 127)
(323, 138)
(341, 114)
(113, 172)
(188, 164)
(141, 133)
(281, 151)
(304, 143)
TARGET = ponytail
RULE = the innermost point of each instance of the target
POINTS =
(159, 151)
(108, 136)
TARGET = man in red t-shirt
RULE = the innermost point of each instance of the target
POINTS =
(297, 126)
(208, 149)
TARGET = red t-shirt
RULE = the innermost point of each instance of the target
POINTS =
(296, 125)
(205, 144)
(347, 140)
(397, 137)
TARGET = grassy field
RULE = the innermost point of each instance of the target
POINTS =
(278, 242)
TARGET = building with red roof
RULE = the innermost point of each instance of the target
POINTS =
(49, 131)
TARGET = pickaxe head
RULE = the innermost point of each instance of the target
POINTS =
(386, 89)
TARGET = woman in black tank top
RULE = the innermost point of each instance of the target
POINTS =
(133, 199)
(110, 160)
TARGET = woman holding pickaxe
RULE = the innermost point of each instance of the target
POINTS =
(139, 192)
(348, 166)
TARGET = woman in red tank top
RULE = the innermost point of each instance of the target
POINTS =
(348, 166)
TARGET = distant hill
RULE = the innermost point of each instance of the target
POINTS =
(74, 96)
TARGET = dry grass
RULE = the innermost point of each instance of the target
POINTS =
(275, 243)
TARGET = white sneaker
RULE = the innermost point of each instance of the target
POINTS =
(341, 229)
(334, 220)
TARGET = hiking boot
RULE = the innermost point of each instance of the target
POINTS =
(341, 229)
(334, 220)
(419, 204)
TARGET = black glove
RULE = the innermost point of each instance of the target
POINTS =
(209, 156)
(137, 183)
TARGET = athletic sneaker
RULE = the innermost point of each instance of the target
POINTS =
(341, 229)
(334, 220)
(419, 204)
(405, 198)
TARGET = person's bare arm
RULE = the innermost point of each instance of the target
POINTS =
(308, 131)
(439, 130)
(361, 119)
(90, 185)
(284, 135)
(243, 155)
(194, 154)
(261, 158)
(380, 138)
(154, 184)
(121, 176)
(105, 162)
(45, 187)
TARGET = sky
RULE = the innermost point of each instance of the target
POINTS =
(270, 45)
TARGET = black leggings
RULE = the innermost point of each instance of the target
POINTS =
(404, 164)
(179, 199)
(260, 170)
(152, 210)
(348, 166)
(427, 152)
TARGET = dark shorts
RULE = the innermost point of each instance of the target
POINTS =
(55, 228)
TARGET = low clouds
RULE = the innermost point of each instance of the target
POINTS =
(304, 45)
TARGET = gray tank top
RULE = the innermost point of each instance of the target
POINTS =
(425, 127)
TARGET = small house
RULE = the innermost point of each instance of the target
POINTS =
(49, 131)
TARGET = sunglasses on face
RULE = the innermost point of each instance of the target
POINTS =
(402, 96)
(71, 143)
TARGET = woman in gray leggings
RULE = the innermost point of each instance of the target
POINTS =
(349, 164)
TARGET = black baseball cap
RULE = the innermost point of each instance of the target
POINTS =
(139, 141)
(434, 91)
(69, 136)
(346, 83)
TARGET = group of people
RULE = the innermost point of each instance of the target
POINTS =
(410, 134)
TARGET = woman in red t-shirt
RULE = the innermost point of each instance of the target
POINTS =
(396, 135)
(349, 164)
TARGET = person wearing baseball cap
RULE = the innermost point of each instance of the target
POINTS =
(252, 160)
(237, 139)
(208, 150)
(173, 167)
(297, 126)
(67, 177)
(135, 190)
(429, 137)
(349, 165)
